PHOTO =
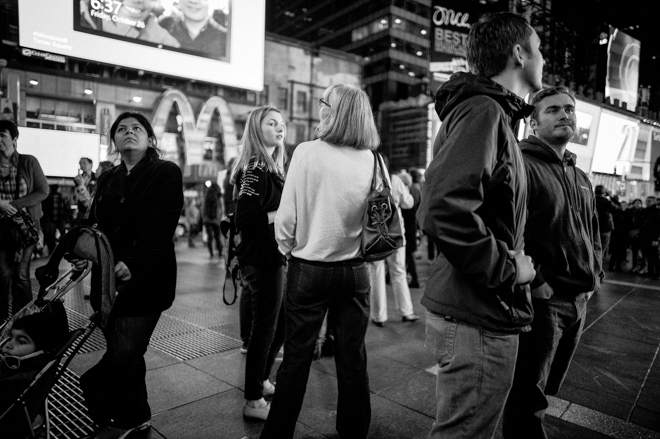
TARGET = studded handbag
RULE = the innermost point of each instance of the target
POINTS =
(382, 233)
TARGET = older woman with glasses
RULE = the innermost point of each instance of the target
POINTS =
(319, 226)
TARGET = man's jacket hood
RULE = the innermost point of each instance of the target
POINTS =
(462, 86)
(535, 147)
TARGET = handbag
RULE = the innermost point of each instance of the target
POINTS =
(26, 232)
(382, 234)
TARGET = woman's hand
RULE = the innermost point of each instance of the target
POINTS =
(122, 272)
(7, 209)
(78, 264)
(271, 216)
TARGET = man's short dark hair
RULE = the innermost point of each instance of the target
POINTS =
(491, 39)
(87, 159)
(9, 125)
(547, 92)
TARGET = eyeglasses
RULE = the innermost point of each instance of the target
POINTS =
(15, 362)
(323, 102)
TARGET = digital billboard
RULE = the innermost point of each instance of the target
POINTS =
(615, 145)
(622, 68)
(217, 41)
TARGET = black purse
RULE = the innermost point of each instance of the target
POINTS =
(25, 230)
(20, 230)
(382, 234)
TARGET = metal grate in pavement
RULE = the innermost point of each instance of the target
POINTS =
(195, 344)
(68, 416)
(95, 342)
(170, 327)
(231, 329)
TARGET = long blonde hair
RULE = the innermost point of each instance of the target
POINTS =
(254, 145)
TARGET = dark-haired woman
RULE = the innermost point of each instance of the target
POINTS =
(137, 205)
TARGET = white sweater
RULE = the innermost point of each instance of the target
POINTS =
(323, 202)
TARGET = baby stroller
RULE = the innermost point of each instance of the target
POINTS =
(31, 407)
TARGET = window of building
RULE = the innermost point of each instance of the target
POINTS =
(300, 133)
(375, 26)
(283, 98)
(301, 102)
(263, 96)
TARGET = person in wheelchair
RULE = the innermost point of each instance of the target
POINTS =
(33, 342)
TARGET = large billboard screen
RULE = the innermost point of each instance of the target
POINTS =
(615, 145)
(622, 68)
(217, 41)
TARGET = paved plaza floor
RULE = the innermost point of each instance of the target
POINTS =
(195, 368)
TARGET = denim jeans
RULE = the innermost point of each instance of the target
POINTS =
(398, 277)
(245, 315)
(475, 372)
(115, 388)
(544, 356)
(14, 277)
(266, 290)
(313, 288)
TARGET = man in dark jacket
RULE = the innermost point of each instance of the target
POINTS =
(562, 238)
(473, 208)
(649, 237)
(605, 208)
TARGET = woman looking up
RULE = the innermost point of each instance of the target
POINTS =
(319, 224)
(259, 178)
(137, 205)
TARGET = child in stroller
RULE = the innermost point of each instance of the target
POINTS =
(34, 339)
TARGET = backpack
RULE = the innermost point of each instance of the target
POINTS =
(232, 241)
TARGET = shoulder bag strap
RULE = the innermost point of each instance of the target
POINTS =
(375, 174)
(383, 172)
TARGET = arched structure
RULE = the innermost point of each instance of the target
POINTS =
(195, 130)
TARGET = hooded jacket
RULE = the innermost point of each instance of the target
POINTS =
(561, 234)
(473, 206)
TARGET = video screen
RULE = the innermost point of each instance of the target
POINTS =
(216, 41)
(198, 27)
(622, 68)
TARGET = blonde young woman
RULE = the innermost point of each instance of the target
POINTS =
(259, 178)
(319, 225)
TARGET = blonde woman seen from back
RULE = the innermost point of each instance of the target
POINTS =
(319, 226)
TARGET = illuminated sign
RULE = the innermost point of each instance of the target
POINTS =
(622, 69)
(227, 49)
(195, 130)
(45, 55)
(615, 145)
(451, 21)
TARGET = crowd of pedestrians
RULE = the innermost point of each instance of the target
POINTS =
(520, 236)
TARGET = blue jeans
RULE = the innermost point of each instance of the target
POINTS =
(265, 290)
(14, 277)
(475, 372)
(544, 356)
(115, 388)
(342, 289)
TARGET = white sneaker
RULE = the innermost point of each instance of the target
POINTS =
(260, 413)
(269, 388)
